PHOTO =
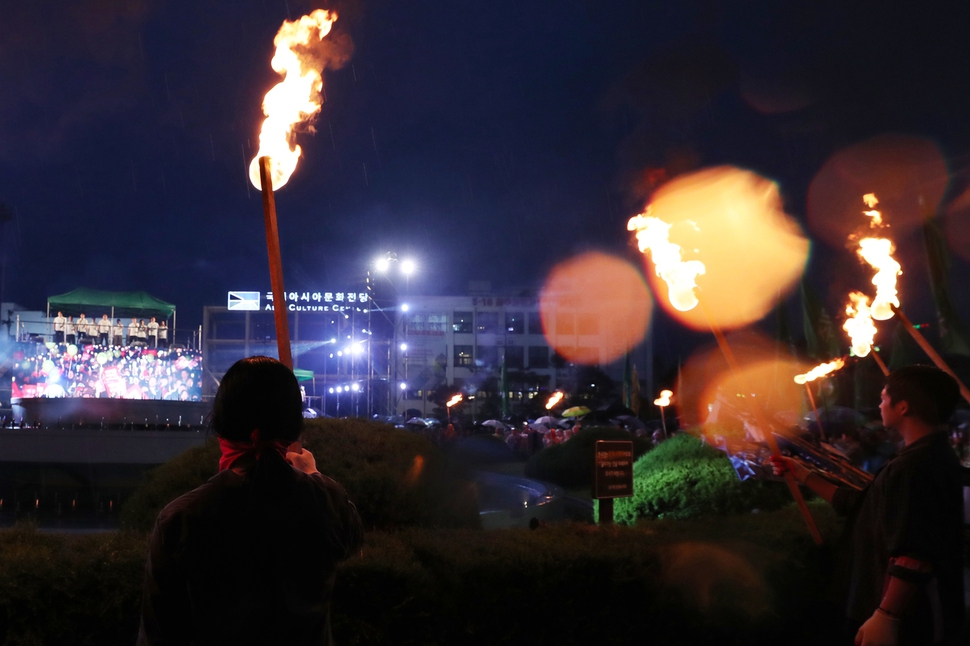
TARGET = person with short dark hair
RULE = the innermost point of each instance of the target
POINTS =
(903, 580)
(250, 556)
(59, 322)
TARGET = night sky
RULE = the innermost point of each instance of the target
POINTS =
(485, 140)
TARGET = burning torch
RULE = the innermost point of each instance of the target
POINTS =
(818, 372)
(293, 101)
(652, 235)
(554, 399)
(663, 402)
(452, 402)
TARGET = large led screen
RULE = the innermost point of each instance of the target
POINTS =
(120, 373)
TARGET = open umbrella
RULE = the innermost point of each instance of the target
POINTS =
(494, 423)
(575, 411)
(547, 420)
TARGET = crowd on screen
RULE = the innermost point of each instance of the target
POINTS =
(123, 373)
(104, 332)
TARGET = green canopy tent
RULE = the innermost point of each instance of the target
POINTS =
(127, 301)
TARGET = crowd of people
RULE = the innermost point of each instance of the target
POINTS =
(122, 373)
(103, 332)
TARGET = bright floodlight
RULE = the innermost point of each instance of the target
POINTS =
(404, 307)
(404, 386)
(331, 391)
(355, 387)
(382, 264)
(408, 267)
(358, 348)
(404, 347)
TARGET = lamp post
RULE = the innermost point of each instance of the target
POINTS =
(387, 267)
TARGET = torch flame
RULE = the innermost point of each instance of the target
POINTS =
(820, 371)
(871, 201)
(554, 399)
(294, 100)
(454, 400)
(664, 399)
(878, 253)
(859, 325)
(680, 276)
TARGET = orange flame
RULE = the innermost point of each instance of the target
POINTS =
(294, 100)
(454, 400)
(859, 325)
(680, 276)
(871, 201)
(664, 399)
(878, 253)
(554, 399)
(820, 371)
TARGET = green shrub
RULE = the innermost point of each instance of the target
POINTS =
(70, 590)
(396, 478)
(739, 580)
(685, 478)
(570, 464)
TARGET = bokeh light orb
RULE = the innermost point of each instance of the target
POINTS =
(907, 174)
(715, 394)
(72, 350)
(594, 308)
(102, 358)
(731, 220)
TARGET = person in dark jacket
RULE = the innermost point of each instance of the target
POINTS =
(903, 578)
(249, 557)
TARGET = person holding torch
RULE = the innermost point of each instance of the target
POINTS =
(250, 556)
(902, 571)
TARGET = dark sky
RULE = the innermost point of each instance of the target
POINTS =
(486, 140)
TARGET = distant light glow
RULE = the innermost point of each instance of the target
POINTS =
(355, 387)
(404, 386)
(404, 347)
(382, 264)
(404, 307)
(408, 267)
(331, 391)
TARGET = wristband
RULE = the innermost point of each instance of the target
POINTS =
(891, 615)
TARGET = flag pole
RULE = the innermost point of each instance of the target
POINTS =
(881, 363)
(768, 434)
(928, 349)
(275, 264)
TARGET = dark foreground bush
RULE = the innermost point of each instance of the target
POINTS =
(570, 464)
(685, 478)
(739, 580)
(396, 478)
(70, 590)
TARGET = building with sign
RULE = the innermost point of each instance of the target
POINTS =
(331, 336)
(491, 347)
(406, 356)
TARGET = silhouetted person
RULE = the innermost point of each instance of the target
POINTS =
(904, 581)
(249, 557)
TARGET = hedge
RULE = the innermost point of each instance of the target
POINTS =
(570, 464)
(741, 580)
(396, 478)
(685, 478)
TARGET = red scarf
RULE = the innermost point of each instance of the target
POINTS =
(232, 451)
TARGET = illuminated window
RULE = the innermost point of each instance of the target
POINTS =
(463, 322)
(463, 355)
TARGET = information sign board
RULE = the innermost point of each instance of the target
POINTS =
(613, 469)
